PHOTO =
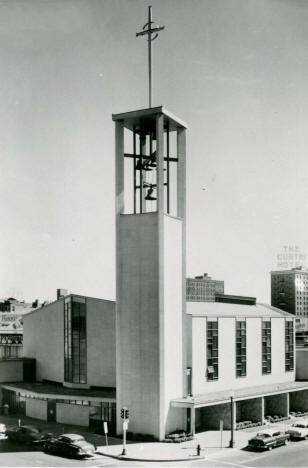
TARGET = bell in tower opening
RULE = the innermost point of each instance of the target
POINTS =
(141, 166)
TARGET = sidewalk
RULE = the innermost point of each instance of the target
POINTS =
(165, 452)
(151, 452)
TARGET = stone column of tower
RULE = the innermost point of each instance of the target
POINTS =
(150, 287)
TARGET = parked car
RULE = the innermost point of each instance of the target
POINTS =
(299, 430)
(2, 428)
(71, 445)
(2, 431)
(268, 440)
(27, 434)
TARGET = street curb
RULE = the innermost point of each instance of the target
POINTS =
(155, 460)
(224, 452)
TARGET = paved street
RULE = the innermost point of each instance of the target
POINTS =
(294, 455)
(13, 454)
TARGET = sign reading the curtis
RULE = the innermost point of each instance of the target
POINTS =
(290, 257)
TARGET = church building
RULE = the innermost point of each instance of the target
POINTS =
(171, 364)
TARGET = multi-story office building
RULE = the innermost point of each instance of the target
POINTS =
(289, 291)
(203, 288)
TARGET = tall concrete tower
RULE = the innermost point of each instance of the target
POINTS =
(150, 268)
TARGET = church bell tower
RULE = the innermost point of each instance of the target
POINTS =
(150, 268)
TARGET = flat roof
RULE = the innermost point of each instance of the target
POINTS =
(57, 391)
(224, 309)
(295, 271)
(223, 396)
(207, 279)
(43, 307)
(145, 118)
(234, 296)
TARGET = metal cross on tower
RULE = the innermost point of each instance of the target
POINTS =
(150, 29)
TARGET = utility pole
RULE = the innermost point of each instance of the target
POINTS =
(231, 444)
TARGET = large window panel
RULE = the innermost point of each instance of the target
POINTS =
(212, 350)
(289, 345)
(240, 346)
(75, 342)
(266, 347)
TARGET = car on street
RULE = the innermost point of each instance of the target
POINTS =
(267, 440)
(27, 434)
(298, 430)
(2, 431)
(71, 445)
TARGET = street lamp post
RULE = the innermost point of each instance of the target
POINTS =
(231, 443)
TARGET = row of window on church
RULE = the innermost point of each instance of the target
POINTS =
(241, 348)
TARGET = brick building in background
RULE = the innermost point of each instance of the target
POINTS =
(289, 291)
(203, 288)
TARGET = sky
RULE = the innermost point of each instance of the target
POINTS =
(236, 71)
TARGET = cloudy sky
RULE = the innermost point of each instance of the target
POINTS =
(235, 70)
